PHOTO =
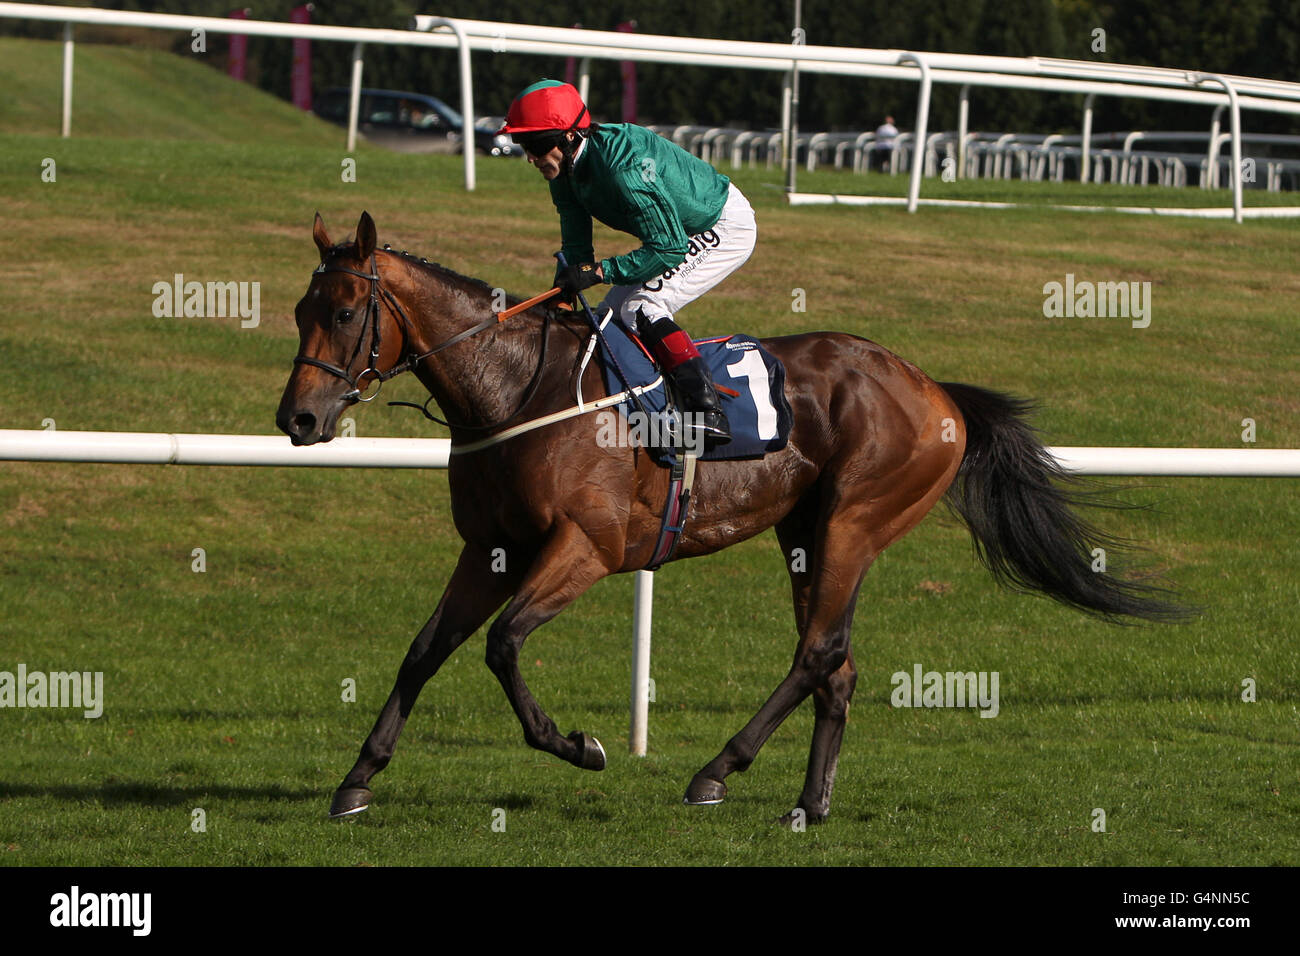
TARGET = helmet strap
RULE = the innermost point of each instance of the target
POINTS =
(570, 149)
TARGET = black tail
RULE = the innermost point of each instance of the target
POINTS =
(1019, 504)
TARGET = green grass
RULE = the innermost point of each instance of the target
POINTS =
(144, 93)
(223, 689)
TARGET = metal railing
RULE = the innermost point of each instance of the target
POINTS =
(965, 70)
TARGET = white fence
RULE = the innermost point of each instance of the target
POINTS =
(1125, 157)
(153, 448)
(161, 448)
(1043, 74)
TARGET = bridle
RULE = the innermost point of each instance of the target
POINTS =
(378, 295)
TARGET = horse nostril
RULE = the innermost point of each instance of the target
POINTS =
(304, 423)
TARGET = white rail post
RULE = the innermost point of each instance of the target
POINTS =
(1234, 109)
(1211, 180)
(963, 121)
(1127, 176)
(1086, 143)
(1000, 163)
(792, 144)
(642, 607)
(1046, 162)
(584, 80)
(785, 119)
(67, 79)
(354, 99)
(466, 95)
(922, 120)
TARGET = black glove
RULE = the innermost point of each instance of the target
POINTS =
(575, 279)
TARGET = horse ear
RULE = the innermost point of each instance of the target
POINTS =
(365, 236)
(322, 239)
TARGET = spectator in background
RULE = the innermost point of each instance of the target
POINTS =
(883, 150)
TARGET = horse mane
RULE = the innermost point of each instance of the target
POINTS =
(451, 276)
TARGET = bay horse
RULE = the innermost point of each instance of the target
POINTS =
(874, 445)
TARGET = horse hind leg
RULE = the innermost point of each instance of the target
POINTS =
(831, 702)
(854, 525)
(796, 534)
(821, 653)
(825, 595)
(857, 517)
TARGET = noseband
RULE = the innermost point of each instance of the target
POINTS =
(379, 294)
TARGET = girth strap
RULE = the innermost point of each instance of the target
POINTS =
(676, 510)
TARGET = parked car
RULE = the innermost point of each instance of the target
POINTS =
(410, 122)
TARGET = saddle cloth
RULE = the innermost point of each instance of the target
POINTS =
(760, 415)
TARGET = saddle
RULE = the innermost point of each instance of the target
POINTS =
(751, 384)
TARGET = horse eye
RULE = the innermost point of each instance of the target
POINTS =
(342, 316)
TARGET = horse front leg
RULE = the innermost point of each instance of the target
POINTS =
(566, 566)
(470, 597)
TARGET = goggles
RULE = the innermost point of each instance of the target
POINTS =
(541, 143)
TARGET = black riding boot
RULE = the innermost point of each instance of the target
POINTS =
(680, 361)
(702, 403)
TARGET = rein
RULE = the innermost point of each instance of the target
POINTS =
(378, 295)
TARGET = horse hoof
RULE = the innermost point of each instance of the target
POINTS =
(591, 755)
(349, 801)
(704, 792)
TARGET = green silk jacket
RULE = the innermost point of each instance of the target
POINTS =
(637, 182)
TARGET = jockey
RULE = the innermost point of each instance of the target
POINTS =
(695, 227)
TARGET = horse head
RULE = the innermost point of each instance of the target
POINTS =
(351, 332)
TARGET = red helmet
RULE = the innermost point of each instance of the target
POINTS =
(547, 105)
